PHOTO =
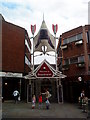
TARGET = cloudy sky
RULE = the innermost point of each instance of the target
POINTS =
(68, 14)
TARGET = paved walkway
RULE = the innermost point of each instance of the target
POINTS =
(23, 110)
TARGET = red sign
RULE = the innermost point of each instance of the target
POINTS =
(44, 71)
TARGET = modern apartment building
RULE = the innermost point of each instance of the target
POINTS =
(74, 61)
(16, 59)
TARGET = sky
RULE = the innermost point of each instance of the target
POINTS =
(68, 14)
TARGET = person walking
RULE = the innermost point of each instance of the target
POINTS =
(16, 95)
(47, 93)
(33, 101)
(40, 101)
(82, 94)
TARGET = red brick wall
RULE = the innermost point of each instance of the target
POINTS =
(12, 47)
(74, 70)
(72, 32)
(73, 50)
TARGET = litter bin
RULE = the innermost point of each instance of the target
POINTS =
(88, 113)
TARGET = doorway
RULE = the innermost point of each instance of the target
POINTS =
(46, 84)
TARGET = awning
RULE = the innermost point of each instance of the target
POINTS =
(10, 74)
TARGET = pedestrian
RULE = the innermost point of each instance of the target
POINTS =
(82, 94)
(33, 101)
(16, 95)
(84, 104)
(40, 100)
(47, 93)
(47, 104)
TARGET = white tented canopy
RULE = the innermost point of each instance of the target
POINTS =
(44, 38)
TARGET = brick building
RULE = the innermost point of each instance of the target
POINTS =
(74, 50)
(16, 59)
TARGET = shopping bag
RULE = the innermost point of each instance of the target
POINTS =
(19, 98)
(49, 95)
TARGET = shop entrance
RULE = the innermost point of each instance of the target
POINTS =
(46, 84)
(9, 85)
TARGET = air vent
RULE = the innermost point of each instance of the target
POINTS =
(78, 42)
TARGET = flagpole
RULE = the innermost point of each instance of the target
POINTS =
(55, 27)
(33, 29)
(33, 53)
(55, 53)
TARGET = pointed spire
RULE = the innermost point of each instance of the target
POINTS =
(43, 16)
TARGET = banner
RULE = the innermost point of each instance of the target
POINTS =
(55, 28)
(33, 29)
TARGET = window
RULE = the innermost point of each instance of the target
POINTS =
(81, 59)
(79, 36)
(89, 59)
(66, 61)
(73, 60)
(65, 41)
(43, 34)
(71, 39)
(88, 37)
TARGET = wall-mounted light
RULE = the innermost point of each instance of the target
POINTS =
(5, 83)
(79, 78)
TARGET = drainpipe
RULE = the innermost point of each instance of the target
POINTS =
(85, 49)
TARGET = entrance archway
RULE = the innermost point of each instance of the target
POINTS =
(46, 84)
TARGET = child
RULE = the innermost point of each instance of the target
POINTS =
(47, 103)
(84, 104)
(40, 100)
(33, 101)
